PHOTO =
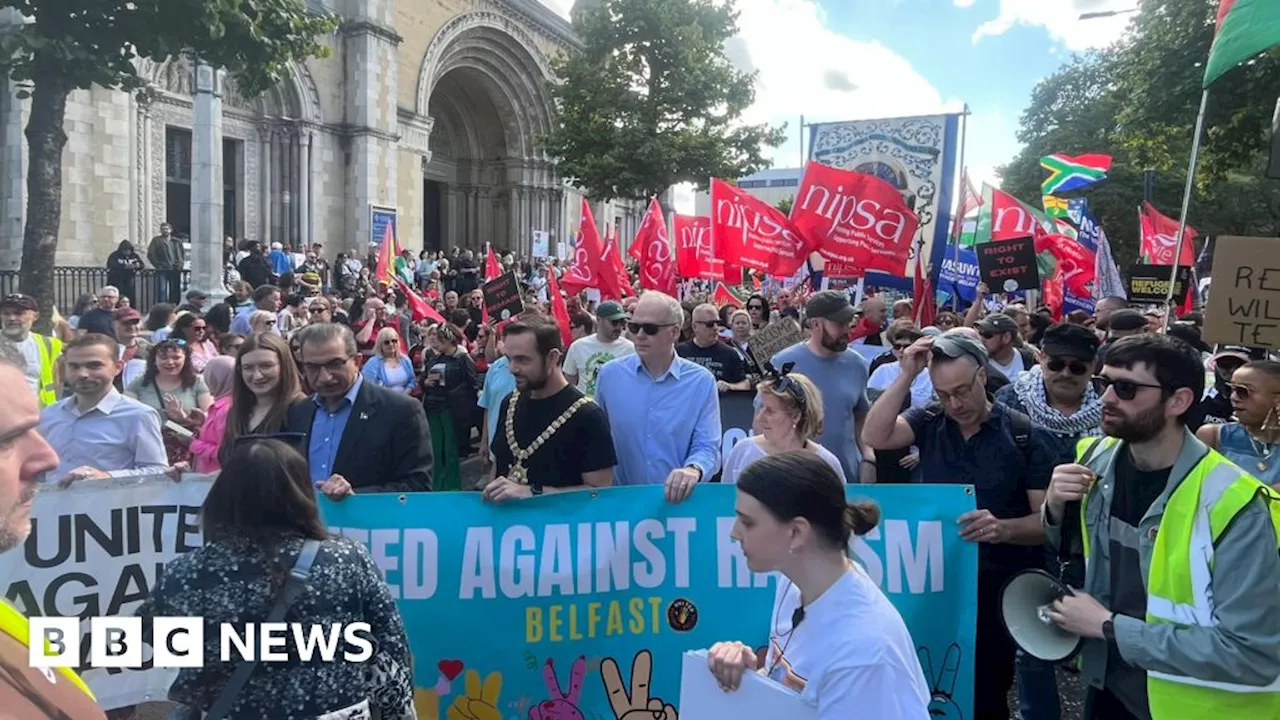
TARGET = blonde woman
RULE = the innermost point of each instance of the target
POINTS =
(788, 417)
(388, 367)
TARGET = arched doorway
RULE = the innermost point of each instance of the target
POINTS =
(486, 180)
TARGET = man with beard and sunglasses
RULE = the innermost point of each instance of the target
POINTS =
(556, 438)
(27, 692)
(841, 376)
(664, 410)
(1058, 395)
(1179, 610)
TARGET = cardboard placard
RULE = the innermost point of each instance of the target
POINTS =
(502, 298)
(1150, 283)
(773, 339)
(1008, 265)
(1244, 301)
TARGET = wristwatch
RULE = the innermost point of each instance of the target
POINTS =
(1109, 630)
(535, 488)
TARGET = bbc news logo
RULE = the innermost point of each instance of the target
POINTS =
(178, 642)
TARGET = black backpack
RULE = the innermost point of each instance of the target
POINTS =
(1021, 426)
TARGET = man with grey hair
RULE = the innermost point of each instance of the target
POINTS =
(725, 363)
(360, 437)
(968, 438)
(664, 410)
(99, 319)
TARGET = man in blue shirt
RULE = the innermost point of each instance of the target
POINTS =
(664, 410)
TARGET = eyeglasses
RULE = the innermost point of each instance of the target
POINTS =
(756, 307)
(961, 394)
(390, 342)
(1075, 366)
(647, 328)
(1240, 391)
(706, 323)
(332, 367)
(901, 346)
(1125, 389)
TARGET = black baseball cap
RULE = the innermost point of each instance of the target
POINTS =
(1126, 319)
(998, 323)
(831, 305)
(955, 344)
(1070, 340)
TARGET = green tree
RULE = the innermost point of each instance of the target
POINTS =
(76, 44)
(651, 100)
(784, 205)
(1137, 101)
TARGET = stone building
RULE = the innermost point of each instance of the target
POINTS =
(432, 108)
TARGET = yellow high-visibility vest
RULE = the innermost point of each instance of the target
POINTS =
(14, 624)
(50, 348)
(1180, 581)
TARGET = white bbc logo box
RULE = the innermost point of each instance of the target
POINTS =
(116, 642)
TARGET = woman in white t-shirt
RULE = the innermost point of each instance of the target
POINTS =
(834, 637)
(788, 416)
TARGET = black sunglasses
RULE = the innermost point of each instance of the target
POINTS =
(1125, 389)
(706, 323)
(783, 383)
(1240, 391)
(1075, 366)
(647, 328)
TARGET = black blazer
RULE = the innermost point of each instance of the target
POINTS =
(385, 446)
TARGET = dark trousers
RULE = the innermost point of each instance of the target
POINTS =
(993, 661)
(169, 286)
(1102, 705)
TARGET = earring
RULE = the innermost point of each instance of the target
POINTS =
(1272, 421)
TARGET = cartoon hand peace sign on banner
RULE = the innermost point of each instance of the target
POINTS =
(561, 705)
(479, 702)
(634, 704)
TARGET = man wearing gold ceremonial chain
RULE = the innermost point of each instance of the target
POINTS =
(550, 437)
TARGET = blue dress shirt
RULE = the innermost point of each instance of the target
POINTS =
(119, 435)
(660, 424)
(326, 432)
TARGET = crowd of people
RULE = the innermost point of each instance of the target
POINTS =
(313, 378)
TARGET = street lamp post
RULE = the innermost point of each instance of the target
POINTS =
(1106, 14)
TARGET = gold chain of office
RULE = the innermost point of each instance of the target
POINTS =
(518, 473)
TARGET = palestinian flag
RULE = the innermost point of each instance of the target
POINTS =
(1068, 173)
(1245, 28)
(724, 296)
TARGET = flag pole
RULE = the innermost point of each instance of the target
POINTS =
(1186, 206)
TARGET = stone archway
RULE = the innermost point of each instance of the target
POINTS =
(485, 180)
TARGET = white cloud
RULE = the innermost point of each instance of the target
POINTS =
(1061, 19)
(561, 7)
(963, 3)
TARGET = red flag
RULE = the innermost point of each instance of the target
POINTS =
(1160, 239)
(1054, 287)
(384, 271)
(926, 307)
(559, 310)
(420, 309)
(1076, 266)
(970, 200)
(657, 263)
(492, 268)
(855, 218)
(619, 270)
(754, 233)
(695, 256)
(723, 297)
(589, 268)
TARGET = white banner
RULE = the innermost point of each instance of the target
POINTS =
(97, 548)
(912, 154)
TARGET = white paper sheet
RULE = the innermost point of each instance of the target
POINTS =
(758, 698)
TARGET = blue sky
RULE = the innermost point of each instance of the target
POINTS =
(832, 60)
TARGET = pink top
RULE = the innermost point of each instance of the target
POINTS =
(207, 442)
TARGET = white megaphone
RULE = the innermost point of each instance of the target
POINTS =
(1027, 598)
(1025, 603)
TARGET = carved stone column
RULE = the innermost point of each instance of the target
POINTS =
(304, 189)
(206, 183)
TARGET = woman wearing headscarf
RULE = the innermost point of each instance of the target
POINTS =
(123, 265)
(219, 375)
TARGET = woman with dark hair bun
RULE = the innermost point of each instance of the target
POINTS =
(834, 636)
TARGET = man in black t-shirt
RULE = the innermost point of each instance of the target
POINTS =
(706, 349)
(542, 459)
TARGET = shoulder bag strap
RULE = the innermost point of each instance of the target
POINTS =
(294, 586)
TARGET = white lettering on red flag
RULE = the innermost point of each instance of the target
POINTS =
(855, 219)
(756, 234)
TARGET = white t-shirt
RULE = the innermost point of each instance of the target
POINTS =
(1013, 369)
(851, 655)
(748, 451)
(31, 353)
(587, 355)
(921, 387)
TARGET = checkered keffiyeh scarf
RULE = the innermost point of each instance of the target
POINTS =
(1085, 422)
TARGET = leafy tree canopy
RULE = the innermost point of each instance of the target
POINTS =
(1137, 101)
(77, 44)
(651, 100)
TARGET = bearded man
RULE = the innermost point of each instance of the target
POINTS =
(550, 437)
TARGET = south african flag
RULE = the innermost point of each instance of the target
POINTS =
(1068, 173)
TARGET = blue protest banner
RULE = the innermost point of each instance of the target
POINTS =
(382, 224)
(514, 609)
